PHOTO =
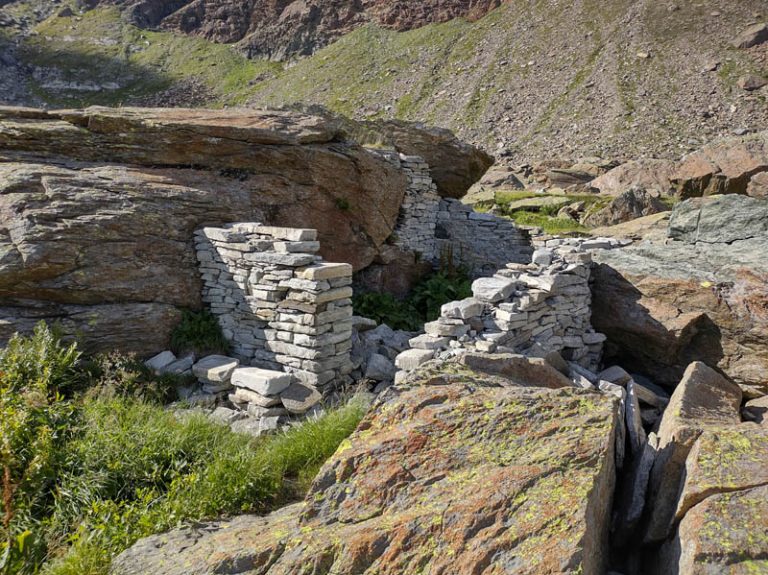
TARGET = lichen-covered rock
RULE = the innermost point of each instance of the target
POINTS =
(439, 479)
(724, 460)
(704, 399)
(726, 533)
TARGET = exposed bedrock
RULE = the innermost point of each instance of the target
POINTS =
(441, 479)
(701, 295)
(98, 208)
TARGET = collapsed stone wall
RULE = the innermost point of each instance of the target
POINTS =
(445, 232)
(523, 308)
(279, 304)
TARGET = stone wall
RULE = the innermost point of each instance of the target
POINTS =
(281, 307)
(446, 232)
(523, 308)
(479, 243)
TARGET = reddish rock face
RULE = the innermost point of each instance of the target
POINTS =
(699, 295)
(723, 167)
(280, 28)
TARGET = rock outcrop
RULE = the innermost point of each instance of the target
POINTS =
(282, 28)
(453, 165)
(440, 478)
(632, 204)
(98, 208)
(723, 506)
(701, 295)
(650, 174)
(722, 167)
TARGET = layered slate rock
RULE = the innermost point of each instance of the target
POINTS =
(439, 479)
(723, 506)
(704, 399)
(98, 234)
(700, 295)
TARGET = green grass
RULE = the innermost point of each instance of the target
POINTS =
(100, 46)
(90, 474)
(548, 224)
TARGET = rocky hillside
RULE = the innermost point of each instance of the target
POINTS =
(527, 80)
(283, 28)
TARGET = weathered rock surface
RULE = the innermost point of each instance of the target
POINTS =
(701, 296)
(752, 36)
(99, 232)
(704, 399)
(632, 204)
(722, 167)
(649, 174)
(454, 165)
(282, 28)
(444, 479)
(723, 505)
(726, 533)
(724, 460)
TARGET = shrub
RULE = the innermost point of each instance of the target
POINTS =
(422, 305)
(120, 375)
(198, 332)
(34, 423)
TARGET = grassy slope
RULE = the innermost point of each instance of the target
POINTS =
(543, 78)
(99, 47)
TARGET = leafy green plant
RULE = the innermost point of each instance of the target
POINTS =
(422, 305)
(343, 204)
(198, 332)
(119, 375)
(430, 295)
(385, 308)
(34, 423)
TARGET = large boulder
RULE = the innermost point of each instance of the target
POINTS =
(101, 228)
(722, 167)
(630, 205)
(704, 399)
(454, 165)
(439, 479)
(752, 36)
(700, 295)
(649, 174)
(723, 506)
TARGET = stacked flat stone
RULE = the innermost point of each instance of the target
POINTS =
(269, 398)
(281, 307)
(581, 244)
(543, 306)
(446, 232)
(214, 373)
(479, 243)
(415, 229)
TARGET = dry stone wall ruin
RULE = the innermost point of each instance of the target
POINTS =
(279, 304)
(531, 308)
(445, 232)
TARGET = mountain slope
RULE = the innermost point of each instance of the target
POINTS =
(533, 79)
